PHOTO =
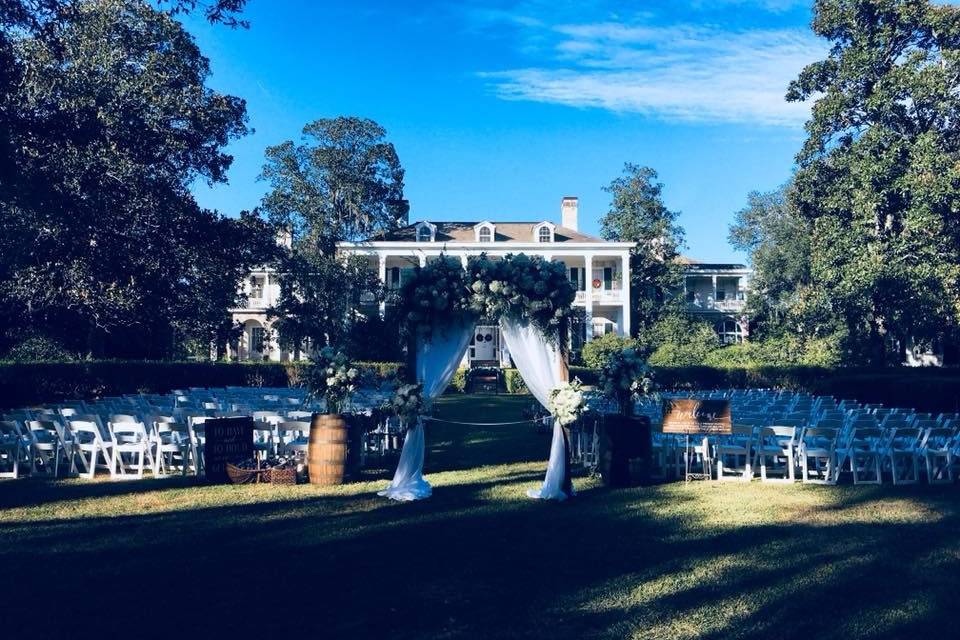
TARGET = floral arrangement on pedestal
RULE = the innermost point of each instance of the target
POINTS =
(333, 377)
(522, 287)
(567, 403)
(624, 376)
(408, 403)
(437, 295)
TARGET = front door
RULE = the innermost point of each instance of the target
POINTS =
(485, 340)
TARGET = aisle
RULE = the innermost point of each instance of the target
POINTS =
(452, 447)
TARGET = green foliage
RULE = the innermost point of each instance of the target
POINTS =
(777, 239)
(458, 384)
(436, 296)
(374, 337)
(524, 288)
(39, 349)
(107, 121)
(879, 175)
(637, 214)
(343, 182)
(513, 381)
(596, 352)
(678, 340)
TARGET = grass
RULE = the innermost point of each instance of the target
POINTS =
(479, 559)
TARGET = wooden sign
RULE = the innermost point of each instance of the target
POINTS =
(688, 415)
(227, 440)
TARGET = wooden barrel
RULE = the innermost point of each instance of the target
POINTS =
(328, 450)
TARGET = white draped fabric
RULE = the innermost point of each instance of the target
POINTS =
(538, 361)
(437, 361)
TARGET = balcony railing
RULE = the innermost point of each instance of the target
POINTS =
(726, 306)
(601, 296)
(255, 303)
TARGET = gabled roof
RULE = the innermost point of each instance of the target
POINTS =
(464, 232)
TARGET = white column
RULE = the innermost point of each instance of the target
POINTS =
(383, 281)
(463, 260)
(588, 285)
(714, 279)
(625, 294)
(423, 259)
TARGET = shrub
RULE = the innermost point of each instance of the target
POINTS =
(678, 355)
(513, 381)
(748, 354)
(458, 384)
(39, 349)
(596, 352)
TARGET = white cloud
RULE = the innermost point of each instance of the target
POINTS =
(675, 72)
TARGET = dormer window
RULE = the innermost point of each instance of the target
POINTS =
(485, 231)
(426, 232)
(543, 232)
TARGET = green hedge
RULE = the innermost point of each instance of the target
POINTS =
(924, 389)
(29, 383)
(25, 384)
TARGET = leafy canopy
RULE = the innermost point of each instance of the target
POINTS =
(637, 214)
(879, 175)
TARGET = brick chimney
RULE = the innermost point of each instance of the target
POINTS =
(568, 212)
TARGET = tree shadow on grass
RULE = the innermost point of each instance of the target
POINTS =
(608, 564)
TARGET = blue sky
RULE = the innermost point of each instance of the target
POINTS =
(498, 109)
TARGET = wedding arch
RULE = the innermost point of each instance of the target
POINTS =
(531, 298)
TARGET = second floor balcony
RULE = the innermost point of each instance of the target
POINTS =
(709, 304)
(600, 296)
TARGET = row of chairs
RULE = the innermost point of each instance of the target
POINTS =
(127, 436)
(782, 436)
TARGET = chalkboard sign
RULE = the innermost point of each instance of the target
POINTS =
(227, 440)
(688, 415)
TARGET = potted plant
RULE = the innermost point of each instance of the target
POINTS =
(333, 454)
(625, 444)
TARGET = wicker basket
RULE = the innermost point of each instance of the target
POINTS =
(246, 476)
(286, 475)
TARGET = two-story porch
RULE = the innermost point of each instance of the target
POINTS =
(718, 293)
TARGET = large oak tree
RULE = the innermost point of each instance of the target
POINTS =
(107, 121)
(879, 175)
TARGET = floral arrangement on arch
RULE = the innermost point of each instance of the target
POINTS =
(566, 403)
(408, 403)
(624, 375)
(437, 295)
(332, 377)
(522, 287)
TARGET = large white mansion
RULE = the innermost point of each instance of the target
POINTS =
(596, 267)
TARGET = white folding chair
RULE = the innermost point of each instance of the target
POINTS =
(734, 452)
(776, 444)
(900, 453)
(89, 447)
(864, 452)
(14, 449)
(198, 440)
(131, 439)
(48, 448)
(818, 455)
(173, 447)
(293, 438)
(935, 449)
(263, 439)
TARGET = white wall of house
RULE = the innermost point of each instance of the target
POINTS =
(595, 268)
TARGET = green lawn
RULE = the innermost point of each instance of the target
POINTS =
(479, 559)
